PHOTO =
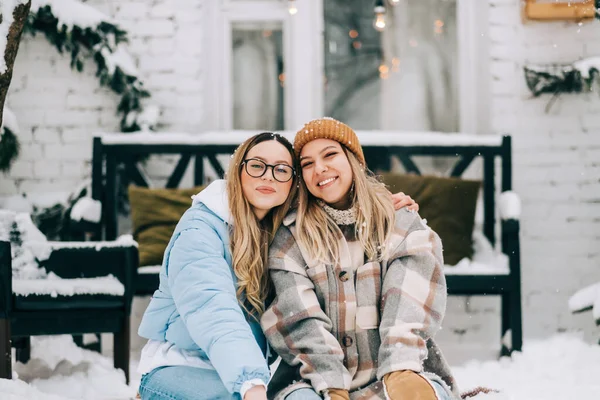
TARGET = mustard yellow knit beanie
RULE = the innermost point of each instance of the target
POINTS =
(329, 128)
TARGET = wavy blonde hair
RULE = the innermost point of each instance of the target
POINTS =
(319, 234)
(250, 237)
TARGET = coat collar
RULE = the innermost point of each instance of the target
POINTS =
(214, 196)
(290, 218)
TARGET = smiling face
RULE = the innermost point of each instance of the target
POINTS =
(326, 172)
(264, 193)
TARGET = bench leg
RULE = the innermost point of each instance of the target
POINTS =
(5, 350)
(516, 320)
(23, 349)
(95, 346)
(505, 324)
(122, 348)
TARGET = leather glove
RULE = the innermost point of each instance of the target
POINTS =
(338, 394)
(408, 385)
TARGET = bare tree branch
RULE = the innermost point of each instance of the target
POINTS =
(12, 46)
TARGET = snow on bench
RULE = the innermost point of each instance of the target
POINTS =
(55, 286)
(367, 138)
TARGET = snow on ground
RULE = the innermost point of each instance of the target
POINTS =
(562, 367)
(61, 369)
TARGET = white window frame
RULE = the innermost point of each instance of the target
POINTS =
(302, 50)
(303, 60)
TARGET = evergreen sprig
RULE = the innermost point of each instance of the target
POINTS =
(84, 43)
(9, 149)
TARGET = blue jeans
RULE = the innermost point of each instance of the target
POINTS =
(303, 394)
(440, 391)
(184, 383)
(309, 394)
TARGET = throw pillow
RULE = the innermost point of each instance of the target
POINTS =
(154, 215)
(448, 205)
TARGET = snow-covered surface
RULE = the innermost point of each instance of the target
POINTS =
(561, 367)
(31, 248)
(119, 58)
(72, 12)
(586, 65)
(60, 370)
(486, 259)
(148, 118)
(121, 241)
(7, 7)
(509, 205)
(588, 297)
(56, 286)
(367, 138)
(9, 120)
(30, 202)
(87, 209)
(149, 269)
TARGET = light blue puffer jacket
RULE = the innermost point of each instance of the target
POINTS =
(195, 306)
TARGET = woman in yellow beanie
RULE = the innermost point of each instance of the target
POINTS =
(360, 290)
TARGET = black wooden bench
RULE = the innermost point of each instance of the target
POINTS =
(24, 315)
(117, 152)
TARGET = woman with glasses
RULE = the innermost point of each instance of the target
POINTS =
(205, 341)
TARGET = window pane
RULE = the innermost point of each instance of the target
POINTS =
(402, 78)
(258, 75)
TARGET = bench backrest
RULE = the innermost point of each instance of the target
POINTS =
(119, 152)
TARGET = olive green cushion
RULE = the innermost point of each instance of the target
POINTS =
(448, 205)
(154, 215)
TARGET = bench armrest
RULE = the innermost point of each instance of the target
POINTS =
(92, 262)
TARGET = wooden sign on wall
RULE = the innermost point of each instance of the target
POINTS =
(576, 11)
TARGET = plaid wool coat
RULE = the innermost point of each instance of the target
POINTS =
(347, 325)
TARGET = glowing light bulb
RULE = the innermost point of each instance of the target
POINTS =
(379, 22)
(292, 9)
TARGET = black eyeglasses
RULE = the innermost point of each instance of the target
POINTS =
(257, 168)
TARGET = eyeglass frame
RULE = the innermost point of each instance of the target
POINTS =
(272, 166)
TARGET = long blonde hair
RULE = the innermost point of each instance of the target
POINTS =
(250, 237)
(319, 234)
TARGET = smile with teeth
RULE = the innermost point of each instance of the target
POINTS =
(326, 181)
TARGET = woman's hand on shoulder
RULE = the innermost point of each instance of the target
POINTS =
(258, 392)
(403, 200)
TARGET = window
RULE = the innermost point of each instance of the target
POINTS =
(273, 70)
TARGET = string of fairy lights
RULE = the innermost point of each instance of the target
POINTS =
(379, 10)
(380, 22)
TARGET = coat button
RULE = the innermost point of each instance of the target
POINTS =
(344, 276)
(347, 341)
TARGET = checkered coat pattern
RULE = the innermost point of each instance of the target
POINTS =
(346, 325)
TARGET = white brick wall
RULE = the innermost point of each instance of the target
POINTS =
(556, 172)
(556, 167)
(59, 109)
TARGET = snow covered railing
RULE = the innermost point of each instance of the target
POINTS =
(55, 286)
(586, 299)
(367, 138)
(121, 241)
